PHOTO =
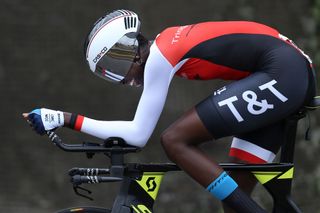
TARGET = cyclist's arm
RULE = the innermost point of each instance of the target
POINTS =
(157, 78)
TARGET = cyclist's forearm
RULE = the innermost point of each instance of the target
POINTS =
(104, 129)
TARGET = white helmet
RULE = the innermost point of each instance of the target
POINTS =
(111, 46)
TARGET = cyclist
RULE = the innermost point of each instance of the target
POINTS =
(273, 79)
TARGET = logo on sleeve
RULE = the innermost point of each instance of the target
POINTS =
(177, 34)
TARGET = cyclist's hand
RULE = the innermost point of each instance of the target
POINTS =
(43, 120)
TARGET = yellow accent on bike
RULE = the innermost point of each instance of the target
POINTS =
(141, 209)
(150, 182)
(264, 177)
(287, 175)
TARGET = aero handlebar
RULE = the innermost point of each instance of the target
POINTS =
(113, 144)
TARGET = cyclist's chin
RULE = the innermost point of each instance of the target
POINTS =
(134, 82)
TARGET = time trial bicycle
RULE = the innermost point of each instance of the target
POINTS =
(140, 183)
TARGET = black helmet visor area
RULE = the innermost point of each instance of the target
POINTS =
(116, 63)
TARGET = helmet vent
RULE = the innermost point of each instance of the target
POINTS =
(130, 22)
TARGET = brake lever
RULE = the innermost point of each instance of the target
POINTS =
(77, 187)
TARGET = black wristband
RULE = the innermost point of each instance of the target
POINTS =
(73, 120)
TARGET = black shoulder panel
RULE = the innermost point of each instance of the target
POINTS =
(238, 51)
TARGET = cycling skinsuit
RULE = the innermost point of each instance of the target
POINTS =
(273, 80)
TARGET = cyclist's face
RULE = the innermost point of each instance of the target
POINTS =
(134, 76)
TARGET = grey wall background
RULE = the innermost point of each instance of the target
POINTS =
(42, 65)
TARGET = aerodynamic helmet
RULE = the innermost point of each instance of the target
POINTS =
(112, 45)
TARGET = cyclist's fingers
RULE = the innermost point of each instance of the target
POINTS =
(25, 115)
(28, 117)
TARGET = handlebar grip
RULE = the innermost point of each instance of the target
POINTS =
(88, 171)
(78, 179)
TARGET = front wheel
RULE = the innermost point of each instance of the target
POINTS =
(85, 209)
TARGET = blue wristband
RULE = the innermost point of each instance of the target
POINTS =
(222, 187)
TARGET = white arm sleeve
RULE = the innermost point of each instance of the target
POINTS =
(157, 77)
